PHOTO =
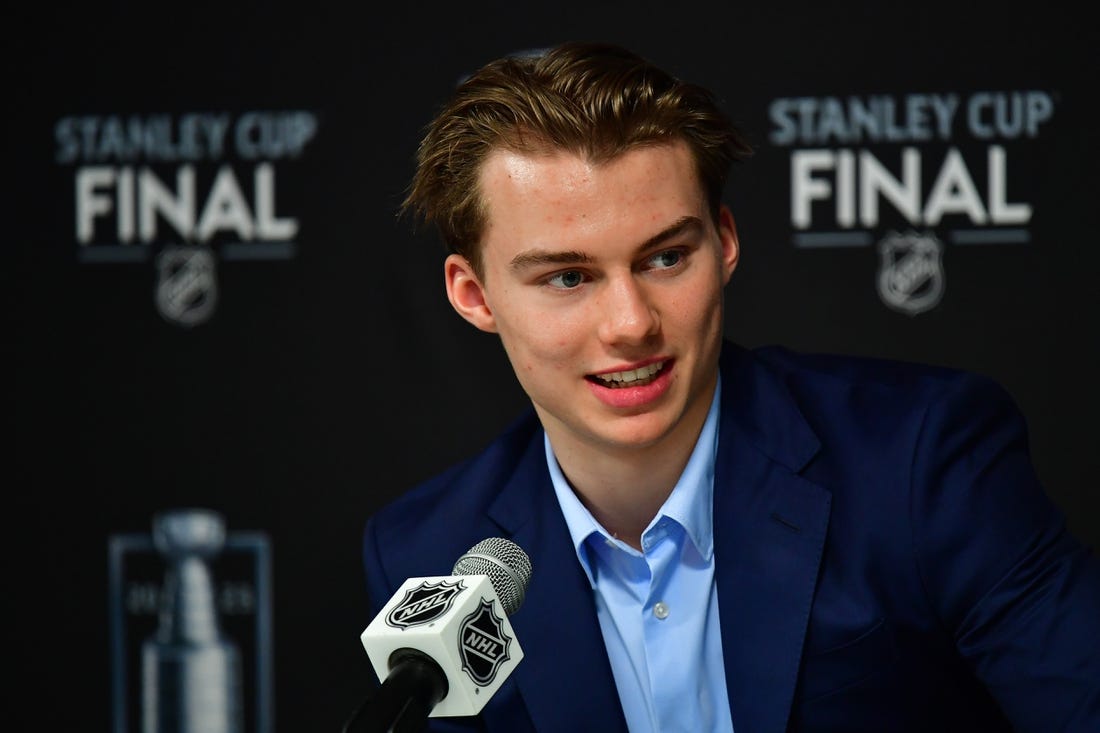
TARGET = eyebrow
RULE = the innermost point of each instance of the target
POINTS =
(533, 257)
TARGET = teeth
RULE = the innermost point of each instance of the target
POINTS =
(644, 374)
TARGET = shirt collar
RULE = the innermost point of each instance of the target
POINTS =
(691, 503)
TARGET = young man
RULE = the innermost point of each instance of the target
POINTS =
(722, 539)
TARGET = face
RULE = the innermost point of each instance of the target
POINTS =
(604, 283)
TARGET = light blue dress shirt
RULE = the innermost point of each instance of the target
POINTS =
(658, 609)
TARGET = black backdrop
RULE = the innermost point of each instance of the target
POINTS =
(329, 373)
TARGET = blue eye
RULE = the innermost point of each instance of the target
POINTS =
(566, 280)
(666, 259)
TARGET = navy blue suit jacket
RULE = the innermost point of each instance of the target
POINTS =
(886, 560)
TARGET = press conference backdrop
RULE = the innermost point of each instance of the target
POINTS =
(229, 351)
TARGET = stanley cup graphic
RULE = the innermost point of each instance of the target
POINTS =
(191, 674)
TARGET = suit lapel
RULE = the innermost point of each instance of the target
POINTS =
(769, 527)
(565, 679)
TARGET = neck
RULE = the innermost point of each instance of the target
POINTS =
(624, 496)
(624, 488)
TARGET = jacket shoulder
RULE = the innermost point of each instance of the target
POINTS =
(865, 386)
(858, 416)
(424, 530)
(854, 370)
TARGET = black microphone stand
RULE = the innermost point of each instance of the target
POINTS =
(415, 684)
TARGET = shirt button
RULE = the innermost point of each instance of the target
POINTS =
(660, 610)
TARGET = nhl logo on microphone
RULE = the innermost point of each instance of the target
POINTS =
(484, 646)
(423, 604)
(457, 621)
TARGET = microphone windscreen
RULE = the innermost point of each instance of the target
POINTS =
(506, 564)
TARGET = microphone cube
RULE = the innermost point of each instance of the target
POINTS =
(458, 621)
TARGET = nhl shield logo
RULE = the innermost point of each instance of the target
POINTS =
(424, 603)
(186, 290)
(910, 276)
(484, 645)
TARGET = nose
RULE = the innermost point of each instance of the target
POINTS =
(627, 313)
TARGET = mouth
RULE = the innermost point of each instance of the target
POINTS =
(631, 378)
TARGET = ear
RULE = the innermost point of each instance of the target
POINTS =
(467, 294)
(731, 248)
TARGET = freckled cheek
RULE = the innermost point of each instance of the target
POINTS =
(700, 312)
(554, 340)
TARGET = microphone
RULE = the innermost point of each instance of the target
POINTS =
(443, 645)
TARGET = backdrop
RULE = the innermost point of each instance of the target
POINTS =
(221, 328)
